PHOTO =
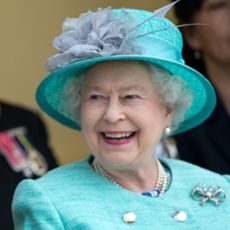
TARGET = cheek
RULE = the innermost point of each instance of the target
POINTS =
(86, 121)
(150, 120)
(83, 117)
(90, 117)
(88, 128)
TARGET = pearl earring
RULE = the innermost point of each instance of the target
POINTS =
(197, 55)
(167, 131)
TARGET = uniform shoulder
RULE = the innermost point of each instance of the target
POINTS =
(12, 108)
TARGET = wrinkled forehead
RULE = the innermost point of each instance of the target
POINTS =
(129, 74)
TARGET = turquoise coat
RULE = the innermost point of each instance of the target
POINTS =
(75, 197)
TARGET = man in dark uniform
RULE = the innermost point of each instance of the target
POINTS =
(24, 153)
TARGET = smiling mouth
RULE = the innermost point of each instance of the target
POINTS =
(118, 136)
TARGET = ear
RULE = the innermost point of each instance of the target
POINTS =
(191, 36)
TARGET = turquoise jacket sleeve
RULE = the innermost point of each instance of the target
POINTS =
(227, 177)
(33, 210)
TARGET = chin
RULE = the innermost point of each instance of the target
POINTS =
(117, 158)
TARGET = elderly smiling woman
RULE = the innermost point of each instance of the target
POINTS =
(119, 77)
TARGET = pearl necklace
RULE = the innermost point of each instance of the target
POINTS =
(160, 186)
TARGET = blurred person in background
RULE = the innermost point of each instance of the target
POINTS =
(24, 153)
(207, 49)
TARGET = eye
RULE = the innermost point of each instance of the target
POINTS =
(132, 97)
(96, 97)
(217, 6)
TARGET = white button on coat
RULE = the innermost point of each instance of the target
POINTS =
(129, 217)
(180, 216)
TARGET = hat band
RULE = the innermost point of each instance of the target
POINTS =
(157, 48)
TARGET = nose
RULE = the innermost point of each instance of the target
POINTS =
(114, 111)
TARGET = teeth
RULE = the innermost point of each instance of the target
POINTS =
(117, 135)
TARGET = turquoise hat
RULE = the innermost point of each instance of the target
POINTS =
(120, 34)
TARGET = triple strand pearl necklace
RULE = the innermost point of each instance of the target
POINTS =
(160, 186)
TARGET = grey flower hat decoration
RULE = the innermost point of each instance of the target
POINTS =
(120, 34)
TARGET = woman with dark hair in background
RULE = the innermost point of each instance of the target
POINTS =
(207, 49)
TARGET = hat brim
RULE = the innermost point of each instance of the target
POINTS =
(51, 90)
